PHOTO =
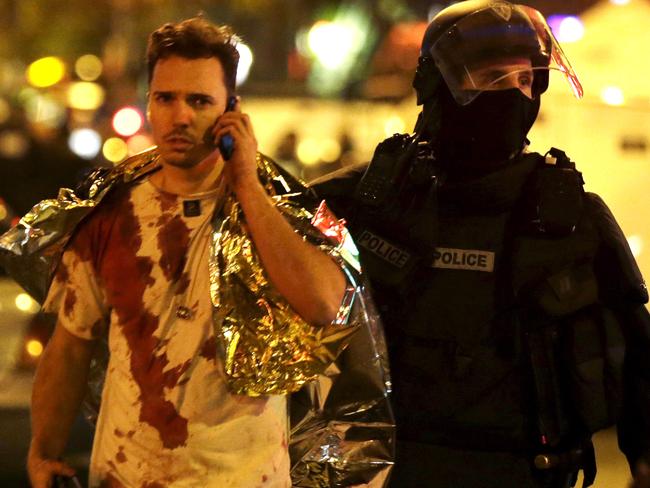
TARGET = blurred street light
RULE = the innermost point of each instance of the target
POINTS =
(612, 95)
(85, 143)
(88, 67)
(115, 149)
(85, 95)
(127, 121)
(45, 72)
(566, 28)
(245, 62)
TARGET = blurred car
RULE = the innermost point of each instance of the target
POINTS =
(24, 332)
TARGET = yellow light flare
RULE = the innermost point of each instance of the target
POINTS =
(115, 149)
(34, 348)
(3, 212)
(45, 72)
(88, 67)
(85, 95)
(330, 150)
(25, 303)
(308, 151)
(331, 42)
(612, 95)
(394, 125)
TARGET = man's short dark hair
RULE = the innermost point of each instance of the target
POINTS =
(195, 38)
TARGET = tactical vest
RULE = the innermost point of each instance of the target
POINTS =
(549, 366)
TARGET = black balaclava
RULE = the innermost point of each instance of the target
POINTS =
(483, 135)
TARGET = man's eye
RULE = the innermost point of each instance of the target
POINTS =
(163, 97)
(199, 102)
(526, 80)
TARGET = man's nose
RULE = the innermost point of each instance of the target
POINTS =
(183, 113)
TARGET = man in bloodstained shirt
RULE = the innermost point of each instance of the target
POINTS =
(138, 268)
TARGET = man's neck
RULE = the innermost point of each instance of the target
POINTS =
(205, 176)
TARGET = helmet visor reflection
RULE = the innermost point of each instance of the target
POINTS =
(500, 47)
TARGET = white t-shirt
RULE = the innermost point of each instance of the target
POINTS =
(139, 265)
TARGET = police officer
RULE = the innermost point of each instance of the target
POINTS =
(514, 309)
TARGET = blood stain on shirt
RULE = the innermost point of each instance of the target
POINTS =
(120, 457)
(127, 276)
(167, 201)
(62, 274)
(171, 376)
(173, 242)
(69, 302)
(209, 349)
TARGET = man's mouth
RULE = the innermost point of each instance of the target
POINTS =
(179, 142)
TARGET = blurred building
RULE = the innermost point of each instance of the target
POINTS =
(608, 132)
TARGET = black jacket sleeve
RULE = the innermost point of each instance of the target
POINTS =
(337, 189)
(623, 291)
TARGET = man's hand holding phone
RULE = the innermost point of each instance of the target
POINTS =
(241, 168)
(226, 142)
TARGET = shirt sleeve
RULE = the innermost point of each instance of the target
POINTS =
(75, 295)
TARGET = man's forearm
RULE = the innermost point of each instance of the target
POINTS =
(309, 279)
(59, 388)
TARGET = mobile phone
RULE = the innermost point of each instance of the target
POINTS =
(227, 143)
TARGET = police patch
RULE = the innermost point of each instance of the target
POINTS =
(384, 249)
(463, 259)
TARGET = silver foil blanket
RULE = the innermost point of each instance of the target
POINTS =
(341, 423)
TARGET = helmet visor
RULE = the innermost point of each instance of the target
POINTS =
(500, 47)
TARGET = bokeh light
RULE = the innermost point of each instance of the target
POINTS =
(25, 303)
(85, 143)
(620, 2)
(85, 95)
(115, 149)
(308, 151)
(245, 63)
(88, 67)
(394, 125)
(612, 95)
(331, 42)
(45, 72)
(127, 121)
(13, 144)
(138, 143)
(330, 150)
(44, 109)
(34, 348)
(566, 28)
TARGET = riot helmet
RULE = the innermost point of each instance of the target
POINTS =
(483, 66)
(466, 38)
